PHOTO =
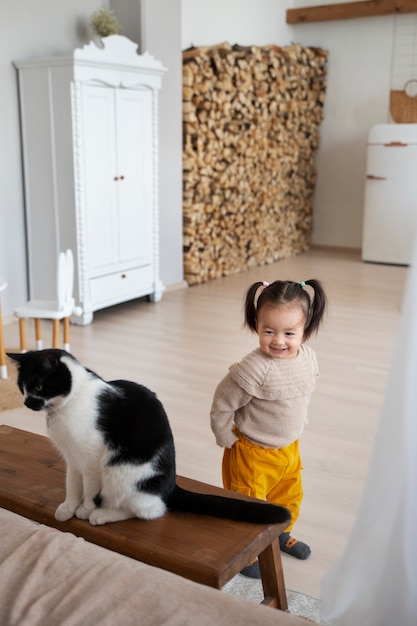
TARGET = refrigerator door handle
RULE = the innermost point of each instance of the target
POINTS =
(395, 144)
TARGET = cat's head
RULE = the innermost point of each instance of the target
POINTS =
(43, 377)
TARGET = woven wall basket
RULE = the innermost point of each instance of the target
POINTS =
(403, 103)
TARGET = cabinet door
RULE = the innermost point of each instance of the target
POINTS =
(390, 214)
(117, 140)
(99, 171)
(134, 173)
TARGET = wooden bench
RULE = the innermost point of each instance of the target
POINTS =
(205, 549)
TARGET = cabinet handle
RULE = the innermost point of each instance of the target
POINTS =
(123, 276)
(372, 177)
(116, 178)
(122, 177)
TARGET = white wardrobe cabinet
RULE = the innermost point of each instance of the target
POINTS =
(90, 160)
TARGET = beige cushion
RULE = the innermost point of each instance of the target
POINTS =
(54, 578)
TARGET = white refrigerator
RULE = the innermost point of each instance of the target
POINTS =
(390, 204)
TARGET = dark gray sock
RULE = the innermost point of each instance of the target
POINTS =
(294, 547)
(252, 570)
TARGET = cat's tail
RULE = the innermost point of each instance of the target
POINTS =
(229, 508)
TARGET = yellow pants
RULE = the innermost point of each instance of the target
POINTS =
(265, 473)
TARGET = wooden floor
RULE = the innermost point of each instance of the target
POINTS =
(182, 346)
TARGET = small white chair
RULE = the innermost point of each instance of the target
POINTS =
(58, 310)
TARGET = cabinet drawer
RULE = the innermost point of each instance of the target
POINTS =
(114, 288)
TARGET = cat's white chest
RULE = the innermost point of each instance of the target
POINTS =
(72, 425)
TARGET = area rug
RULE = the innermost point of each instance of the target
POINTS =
(10, 396)
(298, 603)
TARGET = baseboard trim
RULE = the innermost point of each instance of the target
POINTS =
(321, 246)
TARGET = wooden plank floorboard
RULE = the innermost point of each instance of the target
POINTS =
(182, 346)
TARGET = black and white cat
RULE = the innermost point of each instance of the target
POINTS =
(118, 446)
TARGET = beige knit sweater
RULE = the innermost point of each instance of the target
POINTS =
(266, 398)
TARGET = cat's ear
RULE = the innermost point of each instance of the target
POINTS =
(19, 356)
(50, 359)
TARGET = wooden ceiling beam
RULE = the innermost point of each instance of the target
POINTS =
(348, 10)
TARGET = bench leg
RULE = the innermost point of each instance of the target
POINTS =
(273, 577)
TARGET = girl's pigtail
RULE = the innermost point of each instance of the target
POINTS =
(317, 308)
(250, 306)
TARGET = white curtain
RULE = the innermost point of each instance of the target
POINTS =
(375, 581)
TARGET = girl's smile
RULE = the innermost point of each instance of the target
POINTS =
(280, 330)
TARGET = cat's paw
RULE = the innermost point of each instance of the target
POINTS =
(64, 512)
(98, 517)
(83, 511)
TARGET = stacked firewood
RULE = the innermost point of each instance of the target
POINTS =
(251, 119)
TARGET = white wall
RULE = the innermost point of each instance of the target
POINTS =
(162, 37)
(358, 93)
(208, 22)
(359, 72)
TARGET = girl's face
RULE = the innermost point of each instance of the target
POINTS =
(280, 330)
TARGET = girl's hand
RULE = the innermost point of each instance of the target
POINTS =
(228, 441)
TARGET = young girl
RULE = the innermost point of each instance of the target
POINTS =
(260, 407)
